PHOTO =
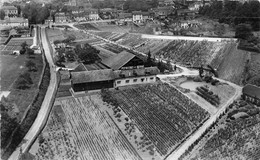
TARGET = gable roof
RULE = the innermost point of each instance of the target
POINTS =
(119, 60)
(80, 67)
(252, 91)
(92, 76)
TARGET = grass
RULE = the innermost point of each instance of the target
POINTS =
(13, 67)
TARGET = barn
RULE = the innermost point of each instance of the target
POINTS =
(92, 80)
(122, 61)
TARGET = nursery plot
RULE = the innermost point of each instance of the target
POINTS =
(162, 113)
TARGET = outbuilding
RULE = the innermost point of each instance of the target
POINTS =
(251, 93)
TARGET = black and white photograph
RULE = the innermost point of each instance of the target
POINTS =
(130, 79)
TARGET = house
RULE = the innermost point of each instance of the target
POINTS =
(123, 61)
(10, 11)
(135, 76)
(14, 22)
(92, 80)
(162, 12)
(251, 93)
(92, 14)
(195, 6)
(137, 16)
(125, 16)
(60, 17)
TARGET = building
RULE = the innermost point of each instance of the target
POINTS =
(92, 14)
(251, 93)
(195, 6)
(14, 22)
(60, 17)
(162, 12)
(135, 76)
(92, 80)
(125, 16)
(123, 61)
(10, 11)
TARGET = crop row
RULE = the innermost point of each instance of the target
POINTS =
(95, 133)
(166, 122)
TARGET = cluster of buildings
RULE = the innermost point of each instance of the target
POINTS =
(120, 70)
(12, 18)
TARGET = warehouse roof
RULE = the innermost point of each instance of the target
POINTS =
(92, 76)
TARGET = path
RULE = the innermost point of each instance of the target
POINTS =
(42, 116)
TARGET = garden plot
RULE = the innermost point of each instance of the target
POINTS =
(83, 131)
(163, 114)
(191, 85)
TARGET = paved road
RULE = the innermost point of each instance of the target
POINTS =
(42, 116)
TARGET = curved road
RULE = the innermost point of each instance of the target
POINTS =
(42, 116)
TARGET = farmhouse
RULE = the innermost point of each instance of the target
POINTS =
(92, 80)
(135, 76)
(123, 60)
(251, 93)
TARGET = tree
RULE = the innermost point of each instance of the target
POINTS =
(2, 14)
(243, 31)
(169, 66)
(24, 45)
(7, 123)
(149, 59)
(29, 52)
(31, 65)
(87, 54)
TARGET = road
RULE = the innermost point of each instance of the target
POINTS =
(42, 116)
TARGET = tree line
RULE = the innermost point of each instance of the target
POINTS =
(234, 13)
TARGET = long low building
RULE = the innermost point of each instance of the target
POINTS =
(107, 78)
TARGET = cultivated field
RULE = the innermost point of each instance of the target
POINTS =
(162, 113)
(79, 129)
(235, 136)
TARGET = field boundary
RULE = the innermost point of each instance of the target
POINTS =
(212, 39)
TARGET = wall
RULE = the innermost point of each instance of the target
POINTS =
(131, 81)
(212, 39)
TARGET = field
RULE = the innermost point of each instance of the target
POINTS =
(15, 44)
(138, 128)
(11, 68)
(165, 119)
(77, 129)
(237, 135)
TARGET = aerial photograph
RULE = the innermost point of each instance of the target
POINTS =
(130, 79)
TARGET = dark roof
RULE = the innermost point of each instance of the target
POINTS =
(124, 15)
(136, 72)
(119, 60)
(252, 91)
(92, 76)
(80, 67)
